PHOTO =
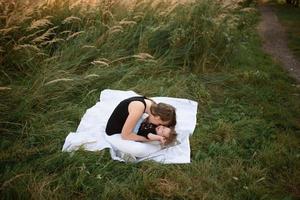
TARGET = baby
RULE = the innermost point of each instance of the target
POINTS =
(160, 133)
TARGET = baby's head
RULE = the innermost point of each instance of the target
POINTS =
(166, 132)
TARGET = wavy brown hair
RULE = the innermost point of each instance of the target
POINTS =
(166, 112)
(172, 137)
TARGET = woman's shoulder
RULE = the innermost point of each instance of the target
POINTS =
(136, 106)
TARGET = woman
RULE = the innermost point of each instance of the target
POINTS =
(126, 116)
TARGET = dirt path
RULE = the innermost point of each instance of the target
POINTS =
(275, 41)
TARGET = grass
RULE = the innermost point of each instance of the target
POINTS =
(245, 146)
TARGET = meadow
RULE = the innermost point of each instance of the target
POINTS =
(56, 56)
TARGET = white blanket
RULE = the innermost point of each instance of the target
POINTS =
(90, 134)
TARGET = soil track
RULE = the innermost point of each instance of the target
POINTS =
(275, 41)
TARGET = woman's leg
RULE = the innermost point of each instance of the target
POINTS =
(137, 149)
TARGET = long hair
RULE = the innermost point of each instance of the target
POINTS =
(166, 112)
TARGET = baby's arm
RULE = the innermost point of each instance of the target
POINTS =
(154, 137)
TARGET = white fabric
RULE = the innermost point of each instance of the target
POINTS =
(90, 134)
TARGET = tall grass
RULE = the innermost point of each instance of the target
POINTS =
(56, 57)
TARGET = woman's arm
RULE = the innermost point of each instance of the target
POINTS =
(136, 110)
(154, 137)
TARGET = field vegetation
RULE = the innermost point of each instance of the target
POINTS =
(56, 56)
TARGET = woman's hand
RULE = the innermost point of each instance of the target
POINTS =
(159, 138)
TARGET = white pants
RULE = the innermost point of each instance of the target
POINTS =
(137, 149)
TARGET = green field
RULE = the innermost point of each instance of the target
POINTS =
(56, 58)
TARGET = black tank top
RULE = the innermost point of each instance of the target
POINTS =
(147, 128)
(118, 117)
